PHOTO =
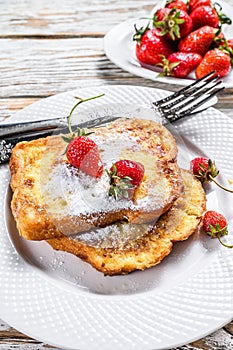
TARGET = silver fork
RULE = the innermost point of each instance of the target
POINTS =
(186, 101)
(180, 104)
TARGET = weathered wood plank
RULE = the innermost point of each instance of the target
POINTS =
(69, 17)
(53, 17)
(9, 106)
(40, 68)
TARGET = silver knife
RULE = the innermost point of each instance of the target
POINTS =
(8, 142)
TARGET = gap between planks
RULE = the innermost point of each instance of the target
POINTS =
(52, 36)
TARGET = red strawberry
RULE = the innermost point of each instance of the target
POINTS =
(214, 60)
(175, 24)
(125, 175)
(230, 43)
(82, 153)
(151, 45)
(180, 64)
(205, 16)
(198, 41)
(205, 170)
(178, 4)
(226, 45)
(193, 4)
(215, 225)
(208, 16)
(219, 39)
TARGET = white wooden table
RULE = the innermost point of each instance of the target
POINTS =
(54, 46)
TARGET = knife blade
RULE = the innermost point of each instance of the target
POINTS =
(8, 143)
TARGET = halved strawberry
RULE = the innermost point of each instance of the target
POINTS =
(175, 24)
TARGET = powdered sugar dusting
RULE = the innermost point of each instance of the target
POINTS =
(67, 191)
(113, 236)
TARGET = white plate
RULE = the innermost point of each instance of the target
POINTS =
(58, 299)
(120, 49)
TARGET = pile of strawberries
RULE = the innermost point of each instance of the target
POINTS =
(183, 37)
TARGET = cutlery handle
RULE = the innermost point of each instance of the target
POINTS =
(10, 129)
(7, 144)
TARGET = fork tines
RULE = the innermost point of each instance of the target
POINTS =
(185, 101)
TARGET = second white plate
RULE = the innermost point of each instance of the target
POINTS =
(120, 49)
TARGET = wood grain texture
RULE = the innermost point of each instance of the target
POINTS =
(67, 17)
(48, 47)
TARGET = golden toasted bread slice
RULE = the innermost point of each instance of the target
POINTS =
(122, 248)
(52, 198)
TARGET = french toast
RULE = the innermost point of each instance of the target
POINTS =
(52, 199)
(123, 247)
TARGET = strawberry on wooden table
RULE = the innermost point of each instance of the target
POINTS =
(214, 60)
(180, 64)
(175, 24)
(198, 41)
(151, 45)
(215, 225)
(124, 177)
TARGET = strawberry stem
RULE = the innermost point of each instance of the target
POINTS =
(80, 100)
(224, 244)
(219, 185)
